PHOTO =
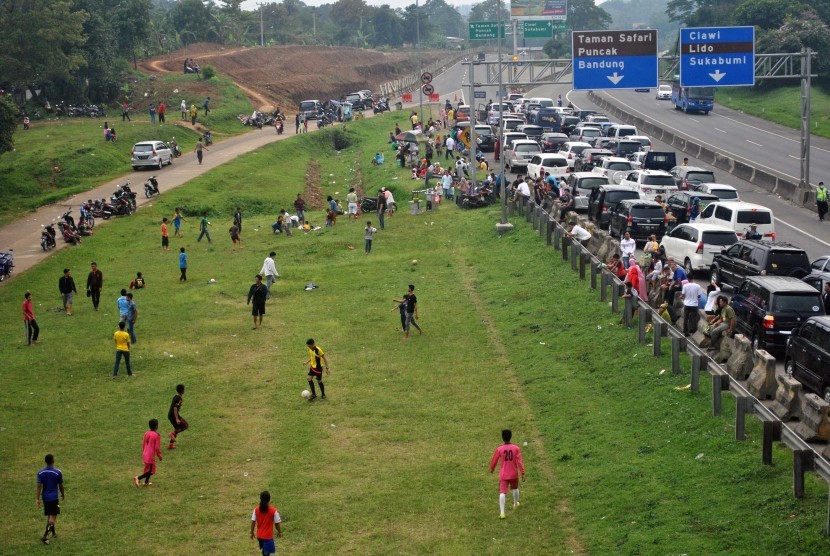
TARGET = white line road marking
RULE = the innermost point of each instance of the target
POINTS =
(777, 136)
(799, 230)
(795, 157)
(754, 143)
(718, 129)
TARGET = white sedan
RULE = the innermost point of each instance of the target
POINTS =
(664, 92)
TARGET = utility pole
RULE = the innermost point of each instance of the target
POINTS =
(261, 26)
(420, 68)
(503, 225)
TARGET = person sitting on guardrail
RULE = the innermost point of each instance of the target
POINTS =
(579, 233)
(634, 276)
(723, 323)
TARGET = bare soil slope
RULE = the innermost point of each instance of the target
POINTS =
(285, 75)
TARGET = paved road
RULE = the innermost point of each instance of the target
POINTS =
(24, 235)
(769, 146)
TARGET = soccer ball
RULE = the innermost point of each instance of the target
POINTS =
(306, 394)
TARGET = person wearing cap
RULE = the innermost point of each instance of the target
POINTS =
(259, 293)
(753, 232)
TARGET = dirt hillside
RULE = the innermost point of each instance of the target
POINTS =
(285, 75)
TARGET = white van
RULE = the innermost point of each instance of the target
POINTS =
(618, 131)
(739, 216)
(545, 102)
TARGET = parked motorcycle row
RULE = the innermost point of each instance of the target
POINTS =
(6, 263)
(121, 203)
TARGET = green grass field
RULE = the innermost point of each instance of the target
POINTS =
(396, 461)
(780, 105)
(59, 158)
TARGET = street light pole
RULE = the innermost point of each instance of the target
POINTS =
(503, 225)
(261, 27)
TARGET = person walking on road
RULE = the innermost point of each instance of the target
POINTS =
(32, 329)
(198, 149)
(94, 285)
(66, 285)
(821, 201)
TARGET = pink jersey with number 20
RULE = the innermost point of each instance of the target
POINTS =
(511, 461)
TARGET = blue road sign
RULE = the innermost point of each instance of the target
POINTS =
(480, 94)
(615, 59)
(717, 56)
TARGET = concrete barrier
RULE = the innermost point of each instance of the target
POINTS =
(722, 162)
(765, 180)
(814, 425)
(787, 404)
(743, 171)
(740, 362)
(762, 383)
(788, 190)
(707, 156)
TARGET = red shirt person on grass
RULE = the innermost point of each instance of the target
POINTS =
(263, 521)
(511, 465)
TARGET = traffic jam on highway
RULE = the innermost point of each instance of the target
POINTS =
(623, 185)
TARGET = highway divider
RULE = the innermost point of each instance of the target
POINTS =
(779, 185)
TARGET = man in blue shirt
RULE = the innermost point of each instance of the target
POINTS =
(677, 279)
(49, 483)
(123, 306)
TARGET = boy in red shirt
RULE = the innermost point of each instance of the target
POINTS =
(511, 466)
(151, 447)
(32, 329)
(263, 520)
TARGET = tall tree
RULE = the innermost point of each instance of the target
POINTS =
(191, 19)
(349, 16)
(445, 18)
(702, 13)
(98, 80)
(132, 23)
(388, 27)
(41, 41)
(8, 124)
(803, 30)
(489, 11)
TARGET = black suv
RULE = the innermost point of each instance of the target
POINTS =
(768, 308)
(754, 258)
(680, 203)
(604, 198)
(639, 217)
(623, 148)
(807, 358)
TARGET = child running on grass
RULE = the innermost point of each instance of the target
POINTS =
(183, 265)
(263, 521)
(401, 306)
(177, 222)
(175, 418)
(369, 232)
(316, 359)
(511, 465)
(151, 447)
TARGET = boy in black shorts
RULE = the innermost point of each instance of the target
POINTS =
(178, 422)
(49, 483)
(316, 359)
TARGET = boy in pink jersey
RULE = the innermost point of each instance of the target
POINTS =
(151, 447)
(511, 466)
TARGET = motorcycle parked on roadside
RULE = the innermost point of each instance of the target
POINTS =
(151, 187)
(6, 264)
(47, 237)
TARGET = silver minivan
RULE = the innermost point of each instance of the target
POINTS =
(150, 153)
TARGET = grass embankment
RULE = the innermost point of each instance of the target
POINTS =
(781, 105)
(61, 157)
(396, 460)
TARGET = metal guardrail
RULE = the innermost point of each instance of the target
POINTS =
(804, 457)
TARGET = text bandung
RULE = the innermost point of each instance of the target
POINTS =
(602, 64)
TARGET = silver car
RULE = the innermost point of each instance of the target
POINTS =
(151, 153)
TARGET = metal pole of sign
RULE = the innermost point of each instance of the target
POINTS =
(473, 118)
(503, 225)
(806, 54)
(420, 68)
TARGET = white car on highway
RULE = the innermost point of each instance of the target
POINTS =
(720, 190)
(611, 165)
(555, 164)
(650, 183)
(694, 245)
(572, 149)
(664, 92)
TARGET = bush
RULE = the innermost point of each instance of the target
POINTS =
(208, 72)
